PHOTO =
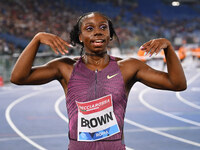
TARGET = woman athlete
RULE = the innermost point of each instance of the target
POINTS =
(96, 85)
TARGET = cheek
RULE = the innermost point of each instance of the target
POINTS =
(108, 39)
(87, 39)
(85, 36)
(108, 36)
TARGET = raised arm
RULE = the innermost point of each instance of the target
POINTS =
(174, 79)
(24, 73)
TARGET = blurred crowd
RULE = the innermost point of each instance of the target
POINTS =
(25, 18)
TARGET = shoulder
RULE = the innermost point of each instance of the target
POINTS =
(63, 67)
(129, 62)
(62, 64)
(63, 61)
(116, 58)
(130, 67)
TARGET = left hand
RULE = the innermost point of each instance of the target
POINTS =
(55, 42)
(154, 46)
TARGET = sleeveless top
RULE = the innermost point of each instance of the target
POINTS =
(86, 85)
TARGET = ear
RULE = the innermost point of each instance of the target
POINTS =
(80, 38)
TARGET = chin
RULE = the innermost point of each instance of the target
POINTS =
(100, 51)
(96, 49)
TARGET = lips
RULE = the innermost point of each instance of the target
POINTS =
(98, 42)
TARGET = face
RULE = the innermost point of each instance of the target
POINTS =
(95, 33)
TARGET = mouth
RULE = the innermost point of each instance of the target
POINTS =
(98, 42)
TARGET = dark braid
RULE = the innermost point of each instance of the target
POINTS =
(75, 32)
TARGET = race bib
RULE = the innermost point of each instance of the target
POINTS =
(96, 119)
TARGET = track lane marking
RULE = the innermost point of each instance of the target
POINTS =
(57, 110)
(33, 137)
(163, 112)
(12, 125)
(161, 133)
(186, 101)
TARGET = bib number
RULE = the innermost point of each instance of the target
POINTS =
(96, 119)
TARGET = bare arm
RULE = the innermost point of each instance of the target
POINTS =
(24, 73)
(174, 79)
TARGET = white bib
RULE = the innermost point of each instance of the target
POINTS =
(96, 119)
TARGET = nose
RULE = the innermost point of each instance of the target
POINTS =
(98, 32)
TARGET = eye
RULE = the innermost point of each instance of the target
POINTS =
(89, 28)
(103, 27)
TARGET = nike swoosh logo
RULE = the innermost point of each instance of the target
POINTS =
(109, 77)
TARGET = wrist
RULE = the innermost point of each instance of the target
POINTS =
(37, 37)
(168, 45)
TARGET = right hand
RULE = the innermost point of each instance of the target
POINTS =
(155, 45)
(54, 41)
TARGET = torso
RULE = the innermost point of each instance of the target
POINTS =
(86, 85)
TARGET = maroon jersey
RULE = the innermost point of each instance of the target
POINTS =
(86, 85)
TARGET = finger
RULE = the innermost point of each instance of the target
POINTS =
(62, 46)
(147, 51)
(67, 44)
(150, 49)
(153, 49)
(159, 48)
(145, 45)
(54, 48)
(58, 47)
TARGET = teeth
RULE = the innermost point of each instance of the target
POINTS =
(98, 41)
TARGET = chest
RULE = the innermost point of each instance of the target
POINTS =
(87, 85)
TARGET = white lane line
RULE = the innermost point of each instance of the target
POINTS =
(34, 137)
(12, 125)
(164, 129)
(195, 89)
(166, 114)
(60, 114)
(56, 107)
(163, 112)
(161, 133)
(186, 101)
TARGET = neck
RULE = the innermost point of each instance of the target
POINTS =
(96, 60)
(100, 54)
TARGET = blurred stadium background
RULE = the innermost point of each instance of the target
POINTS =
(135, 21)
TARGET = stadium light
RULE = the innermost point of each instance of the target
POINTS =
(175, 3)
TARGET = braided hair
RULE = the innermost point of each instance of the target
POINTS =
(76, 31)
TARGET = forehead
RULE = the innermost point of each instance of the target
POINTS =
(94, 18)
